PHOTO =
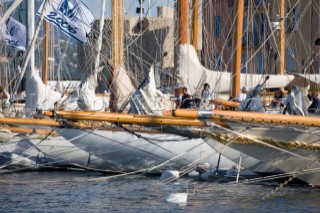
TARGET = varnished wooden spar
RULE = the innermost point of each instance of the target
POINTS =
(249, 117)
(28, 121)
(236, 69)
(225, 102)
(30, 130)
(127, 118)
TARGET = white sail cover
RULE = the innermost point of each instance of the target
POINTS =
(41, 95)
(122, 88)
(87, 98)
(298, 102)
(146, 99)
(71, 16)
(16, 34)
(194, 75)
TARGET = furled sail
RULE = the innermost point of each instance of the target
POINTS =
(42, 96)
(87, 98)
(297, 101)
(146, 98)
(122, 88)
(194, 75)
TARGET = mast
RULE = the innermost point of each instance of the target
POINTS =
(45, 67)
(13, 6)
(99, 44)
(236, 72)
(117, 34)
(183, 27)
(195, 7)
(31, 31)
(282, 38)
(182, 8)
(117, 44)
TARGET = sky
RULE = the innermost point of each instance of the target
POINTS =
(129, 6)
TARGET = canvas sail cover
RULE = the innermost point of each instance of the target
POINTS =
(87, 98)
(122, 88)
(194, 75)
(146, 99)
(16, 34)
(71, 16)
(297, 101)
(41, 95)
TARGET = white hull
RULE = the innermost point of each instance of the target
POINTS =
(112, 150)
(301, 141)
(118, 150)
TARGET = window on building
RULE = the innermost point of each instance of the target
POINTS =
(246, 3)
(290, 62)
(260, 62)
(259, 3)
(230, 3)
(217, 61)
(244, 31)
(256, 30)
(264, 27)
(292, 20)
(217, 31)
(244, 63)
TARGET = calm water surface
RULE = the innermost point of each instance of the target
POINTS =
(91, 192)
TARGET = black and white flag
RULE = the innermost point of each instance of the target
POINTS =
(16, 34)
(71, 16)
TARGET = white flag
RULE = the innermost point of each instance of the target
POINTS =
(71, 16)
(16, 34)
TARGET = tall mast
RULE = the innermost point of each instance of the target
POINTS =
(30, 35)
(195, 7)
(182, 8)
(282, 38)
(183, 27)
(236, 72)
(117, 43)
(45, 67)
(117, 34)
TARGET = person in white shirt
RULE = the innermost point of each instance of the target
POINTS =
(243, 94)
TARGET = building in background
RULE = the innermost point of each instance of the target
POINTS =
(260, 39)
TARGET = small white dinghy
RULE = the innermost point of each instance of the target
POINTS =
(169, 175)
(178, 198)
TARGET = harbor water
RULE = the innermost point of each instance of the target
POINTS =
(92, 192)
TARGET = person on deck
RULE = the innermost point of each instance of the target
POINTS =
(278, 99)
(205, 94)
(242, 95)
(315, 105)
(5, 97)
(186, 100)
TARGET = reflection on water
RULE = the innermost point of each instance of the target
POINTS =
(90, 192)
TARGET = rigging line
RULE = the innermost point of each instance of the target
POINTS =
(268, 195)
(128, 145)
(32, 146)
(13, 6)
(150, 140)
(260, 142)
(28, 56)
(282, 175)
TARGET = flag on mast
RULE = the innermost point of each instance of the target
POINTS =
(15, 34)
(72, 16)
